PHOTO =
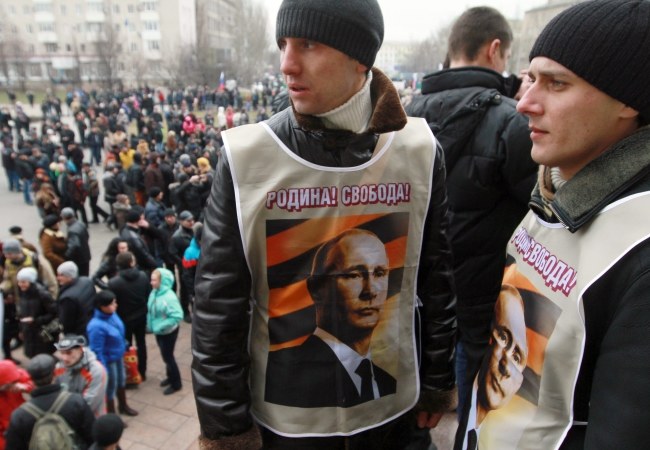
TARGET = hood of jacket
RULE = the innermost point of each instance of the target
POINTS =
(613, 174)
(166, 281)
(9, 372)
(463, 77)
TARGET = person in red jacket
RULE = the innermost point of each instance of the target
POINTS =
(14, 381)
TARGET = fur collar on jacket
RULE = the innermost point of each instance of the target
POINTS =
(387, 115)
(614, 173)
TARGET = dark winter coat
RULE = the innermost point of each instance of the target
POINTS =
(131, 288)
(75, 411)
(37, 303)
(76, 305)
(220, 324)
(489, 182)
(77, 249)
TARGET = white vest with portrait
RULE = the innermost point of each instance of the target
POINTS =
(286, 208)
(552, 269)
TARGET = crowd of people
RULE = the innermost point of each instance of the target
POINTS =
(151, 159)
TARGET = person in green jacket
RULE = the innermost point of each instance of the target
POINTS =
(163, 318)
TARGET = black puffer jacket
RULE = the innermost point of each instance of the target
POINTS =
(488, 187)
(221, 318)
(76, 305)
(75, 411)
(131, 288)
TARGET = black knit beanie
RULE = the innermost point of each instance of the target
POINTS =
(607, 43)
(107, 430)
(354, 27)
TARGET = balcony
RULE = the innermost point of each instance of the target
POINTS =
(151, 35)
(43, 17)
(95, 16)
(47, 37)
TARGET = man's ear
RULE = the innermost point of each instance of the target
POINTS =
(493, 51)
(627, 112)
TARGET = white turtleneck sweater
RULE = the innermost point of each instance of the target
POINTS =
(353, 115)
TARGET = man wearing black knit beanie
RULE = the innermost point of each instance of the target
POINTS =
(324, 306)
(580, 259)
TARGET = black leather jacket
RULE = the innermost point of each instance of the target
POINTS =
(223, 284)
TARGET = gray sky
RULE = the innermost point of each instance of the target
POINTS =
(417, 19)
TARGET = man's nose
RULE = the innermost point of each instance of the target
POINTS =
(369, 290)
(504, 365)
(289, 62)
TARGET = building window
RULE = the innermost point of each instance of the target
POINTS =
(27, 9)
(42, 7)
(78, 9)
(150, 25)
(14, 29)
(94, 27)
(46, 26)
(12, 9)
(153, 45)
(118, 47)
(68, 47)
(131, 9)
(116, 9)
(149, 6)
(31, 49)
(51, 48)
(133, 47)
(35, 70)
(82, 47)
(29, 29)
(64, 10)
(117, 27)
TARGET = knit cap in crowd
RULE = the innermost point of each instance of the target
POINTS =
(107, 430)
(41, 367)
(67, 213)
(50, 220)
(68, 269)
(11, 246)
(607, 43)
(27, 274)
(185, 215)
(353, 27)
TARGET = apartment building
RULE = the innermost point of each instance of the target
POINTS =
(69, 41)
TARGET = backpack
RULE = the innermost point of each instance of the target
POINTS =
(455, 131)
(51, 431)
